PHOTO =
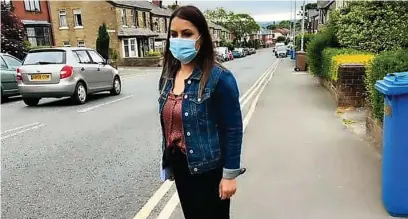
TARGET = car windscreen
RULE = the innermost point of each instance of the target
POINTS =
(281, 48)
(45, 57)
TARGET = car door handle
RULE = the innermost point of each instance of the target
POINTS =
(82, 69)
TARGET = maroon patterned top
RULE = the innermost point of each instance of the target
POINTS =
(173, 123)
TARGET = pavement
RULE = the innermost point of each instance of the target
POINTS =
(302, 162)
(97, 160)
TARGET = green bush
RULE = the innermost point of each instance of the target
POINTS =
(384, 63)
(322, 40)
(113, 54)
(153, 54)
(306, 40)
(372, 25)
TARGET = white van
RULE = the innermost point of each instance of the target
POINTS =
(223, 51)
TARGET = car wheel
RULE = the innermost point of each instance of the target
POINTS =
(80, 94)
(117, 86)
(31, 101)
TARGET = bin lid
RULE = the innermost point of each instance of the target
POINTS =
(393, 84)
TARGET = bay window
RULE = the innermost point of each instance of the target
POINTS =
(130, 47)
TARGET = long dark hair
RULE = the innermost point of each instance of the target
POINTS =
(205, 57)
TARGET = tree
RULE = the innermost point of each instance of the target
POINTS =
(173, 6)
(285, 24)
(238, 24)
(372, 25)
(257, 43)
(218, 16)
(310, 6)
(12, 33)
(102, 42)
(251, 43)
(281, 39)
(272, 26)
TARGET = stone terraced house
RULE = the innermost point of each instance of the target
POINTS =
(134, 27)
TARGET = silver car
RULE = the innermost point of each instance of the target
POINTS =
(65, 72)
(8, 67)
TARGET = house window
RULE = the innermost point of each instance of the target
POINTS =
(124, 23)
(132, 17)
(63, 18)
(66, 44)
(144, 19)
(77, 17)
(32, 5)
(38, 36)
(7, 2)
(151, 44)
(81, 43)
(130, 47)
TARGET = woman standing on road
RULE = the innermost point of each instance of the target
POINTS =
(201, 119)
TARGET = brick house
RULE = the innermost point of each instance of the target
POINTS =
(219, 33)
(76, 23)
(35, 15)
(160, 20)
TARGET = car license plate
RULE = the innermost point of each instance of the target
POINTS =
(41, 77)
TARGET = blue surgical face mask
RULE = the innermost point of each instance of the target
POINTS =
(183, 49)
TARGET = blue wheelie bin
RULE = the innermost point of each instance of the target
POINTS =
(395, 143)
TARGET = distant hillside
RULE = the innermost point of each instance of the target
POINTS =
(264, 24)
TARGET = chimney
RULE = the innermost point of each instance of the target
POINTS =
(158, 3)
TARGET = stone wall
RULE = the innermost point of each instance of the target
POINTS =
(374, 130)
(349, 89)
(141, 62)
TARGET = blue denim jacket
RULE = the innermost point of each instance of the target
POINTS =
(212, 123)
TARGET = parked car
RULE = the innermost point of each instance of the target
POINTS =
(8, 69)
(236, 54)
(252, 50)
(65, 72)
(223, 51)
(230, 55)
(246, 51)
(281, 51)
(241, 52)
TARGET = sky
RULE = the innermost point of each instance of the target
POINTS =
(261, 11)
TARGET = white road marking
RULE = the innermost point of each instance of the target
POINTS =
(168, 210)
(169, 207)
(21, 131)
(103, 104)
(255, 102)
(20, 127)
(254, 91)
(256, 82)
(154, 200)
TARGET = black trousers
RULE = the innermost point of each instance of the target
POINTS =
(198, 193)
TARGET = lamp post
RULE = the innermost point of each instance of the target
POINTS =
(303, 26)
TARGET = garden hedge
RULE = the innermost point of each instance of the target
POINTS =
(384, 63)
